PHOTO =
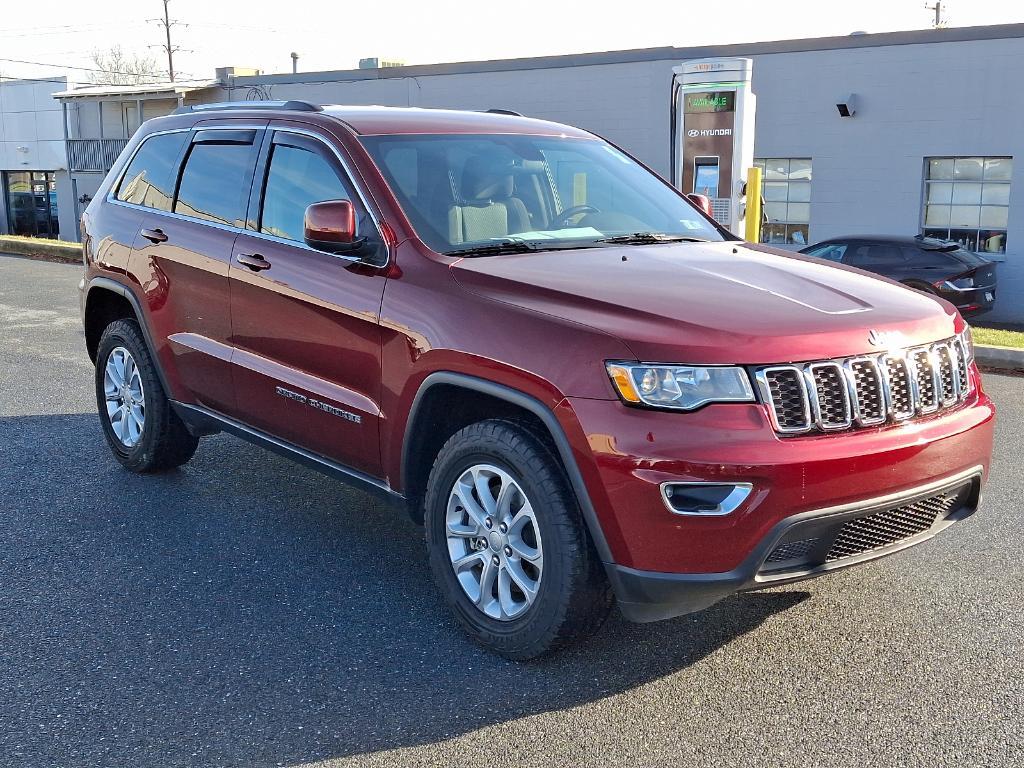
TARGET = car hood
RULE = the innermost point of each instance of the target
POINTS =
(726, 302)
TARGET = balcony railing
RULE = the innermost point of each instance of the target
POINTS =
(94, 154)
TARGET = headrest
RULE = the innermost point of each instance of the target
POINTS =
(485, 178)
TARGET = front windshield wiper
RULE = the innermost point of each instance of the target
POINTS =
(517, 246)
(645, 238)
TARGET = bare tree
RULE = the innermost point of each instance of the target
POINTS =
(115, 67)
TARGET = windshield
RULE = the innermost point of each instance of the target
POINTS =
(469, 192)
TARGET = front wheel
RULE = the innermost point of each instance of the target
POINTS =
(507, 544)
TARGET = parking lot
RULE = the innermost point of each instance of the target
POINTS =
(248, 611)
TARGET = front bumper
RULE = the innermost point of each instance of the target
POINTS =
(806, 545)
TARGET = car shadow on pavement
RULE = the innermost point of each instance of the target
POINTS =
(244, 610)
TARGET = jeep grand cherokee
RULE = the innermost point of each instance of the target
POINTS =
(585, 389)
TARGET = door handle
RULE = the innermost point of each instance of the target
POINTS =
(154, 235)
(253, 261)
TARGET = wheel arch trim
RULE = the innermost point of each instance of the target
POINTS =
(107, 284)
(535, 407)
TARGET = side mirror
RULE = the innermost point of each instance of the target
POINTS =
(331, 226)
(701, 201)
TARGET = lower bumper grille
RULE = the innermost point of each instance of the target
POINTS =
(890, 526)
(828, 541)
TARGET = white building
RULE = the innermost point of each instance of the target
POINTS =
(33, 163)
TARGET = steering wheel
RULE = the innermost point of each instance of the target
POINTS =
(562, 220)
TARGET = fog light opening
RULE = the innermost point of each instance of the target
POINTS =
(704, 499)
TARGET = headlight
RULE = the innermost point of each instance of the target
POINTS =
(681, 387)
(967, 339)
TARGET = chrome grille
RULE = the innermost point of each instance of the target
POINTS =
(864, 391)
(949, 384)
(787, 391)
(926, 389)
(868, 388)
(961, 367)
(901, 395)
(830, 396)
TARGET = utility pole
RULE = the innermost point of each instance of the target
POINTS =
(169, 49)
(938, 23)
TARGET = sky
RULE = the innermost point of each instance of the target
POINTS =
(334, 35)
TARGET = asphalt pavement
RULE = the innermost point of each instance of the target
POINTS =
(247, 611)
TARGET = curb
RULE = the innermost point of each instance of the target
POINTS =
(55, 250)
(1000, 358)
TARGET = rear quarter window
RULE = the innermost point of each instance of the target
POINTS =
(149, 179)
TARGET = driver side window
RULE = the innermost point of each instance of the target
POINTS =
(296, 178)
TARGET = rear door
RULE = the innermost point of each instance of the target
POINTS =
(182, 257)
(307, 357)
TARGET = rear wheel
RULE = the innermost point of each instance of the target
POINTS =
(142, 430)
(507, 545)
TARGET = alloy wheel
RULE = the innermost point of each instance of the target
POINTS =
(494, 542)
(125, 397)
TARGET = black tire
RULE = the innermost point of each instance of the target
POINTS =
(574, 597)
(165, 442)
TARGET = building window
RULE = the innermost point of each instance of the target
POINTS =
(967, 200)
(787, 199)
(31, 201)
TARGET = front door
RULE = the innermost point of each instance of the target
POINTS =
(306, 358)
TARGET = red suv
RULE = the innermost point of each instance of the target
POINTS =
(585, 389)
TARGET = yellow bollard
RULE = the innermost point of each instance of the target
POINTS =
(753, 223)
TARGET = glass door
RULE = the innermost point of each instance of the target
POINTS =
(31, 198)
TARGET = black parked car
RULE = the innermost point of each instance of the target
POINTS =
(939, 267)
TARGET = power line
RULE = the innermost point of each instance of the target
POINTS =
(63, 81)
(69, 66)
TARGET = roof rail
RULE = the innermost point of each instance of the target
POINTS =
(496, 111)
(293, 105)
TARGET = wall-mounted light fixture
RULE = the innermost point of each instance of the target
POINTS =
(848, 106)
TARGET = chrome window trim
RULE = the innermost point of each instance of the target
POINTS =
(111, 198)
(761, 375)
(728, 505)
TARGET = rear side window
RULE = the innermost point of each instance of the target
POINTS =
(215, 182)
(296, 179)
(149, 180)
(873, 255)
(923, 257)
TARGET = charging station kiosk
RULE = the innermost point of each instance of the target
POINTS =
(713, 133)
